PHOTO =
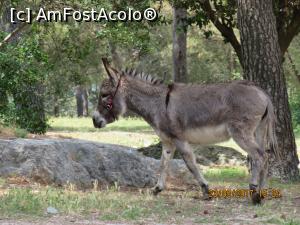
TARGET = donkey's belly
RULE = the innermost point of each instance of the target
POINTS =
(207, 135)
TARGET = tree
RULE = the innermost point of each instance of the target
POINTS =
(285, 26)
(262, 63)
(22, 64)
(288, 22)
(23, 68)
(179, 43)
(81, 101)
(116, 59)
(223, 15)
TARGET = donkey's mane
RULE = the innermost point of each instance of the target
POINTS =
(142, 76)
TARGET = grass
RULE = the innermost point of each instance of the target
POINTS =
(140, 206)
(114, 205)
(226, 174)
(21, 133)
(132, 132)
(110, 204)
(69, 124)
(134, 140)
(9, 132)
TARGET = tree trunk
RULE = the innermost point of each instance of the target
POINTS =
(56, 110)
(116, 59)
(82, 103)
(3, 99)
(85, 102)
(14, 29)
(179, 44)
(262, 64)
(79, 100)
(56, 107)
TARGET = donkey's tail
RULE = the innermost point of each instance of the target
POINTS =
(270, 120)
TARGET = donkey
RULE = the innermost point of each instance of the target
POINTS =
(182, 114)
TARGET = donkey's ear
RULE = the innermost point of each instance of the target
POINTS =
(111, 72)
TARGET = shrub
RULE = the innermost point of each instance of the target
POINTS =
(22, 67)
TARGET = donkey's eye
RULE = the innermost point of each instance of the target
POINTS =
(104, 95)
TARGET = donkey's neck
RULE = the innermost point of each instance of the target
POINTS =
(145, 99)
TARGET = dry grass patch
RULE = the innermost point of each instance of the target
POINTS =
(138, 206)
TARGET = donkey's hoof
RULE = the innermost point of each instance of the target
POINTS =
(156, 190)
(206, 197)
(206, 193)
(256, 198)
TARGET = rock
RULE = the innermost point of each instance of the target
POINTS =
(80, 162)
(218, 155)
(205, 155)
(51, 210)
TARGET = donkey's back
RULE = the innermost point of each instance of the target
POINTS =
(209, 113)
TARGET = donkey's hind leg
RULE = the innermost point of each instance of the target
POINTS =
(246, 140)
(261, 139)
(264, 174)
(168, 150)
(190, 161)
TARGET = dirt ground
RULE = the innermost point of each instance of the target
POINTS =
(233, 211)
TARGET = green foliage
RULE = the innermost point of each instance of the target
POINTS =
(22, 75)
(74, 58)
(226, 10)
(125, 35)
(292, 71)
(209, 60)
(8, 114)
(21, 133)
(295, 108)
(226, 13)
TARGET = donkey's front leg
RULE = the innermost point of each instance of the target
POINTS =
(168, 150)
(190, 160)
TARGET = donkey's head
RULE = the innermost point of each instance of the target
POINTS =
(110, 103)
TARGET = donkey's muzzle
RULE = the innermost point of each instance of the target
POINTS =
(98, 121)
(96, 124)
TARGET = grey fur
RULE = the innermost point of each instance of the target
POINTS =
(201, 114)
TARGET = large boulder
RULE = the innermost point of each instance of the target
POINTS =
(80, 162)
(212, 155)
